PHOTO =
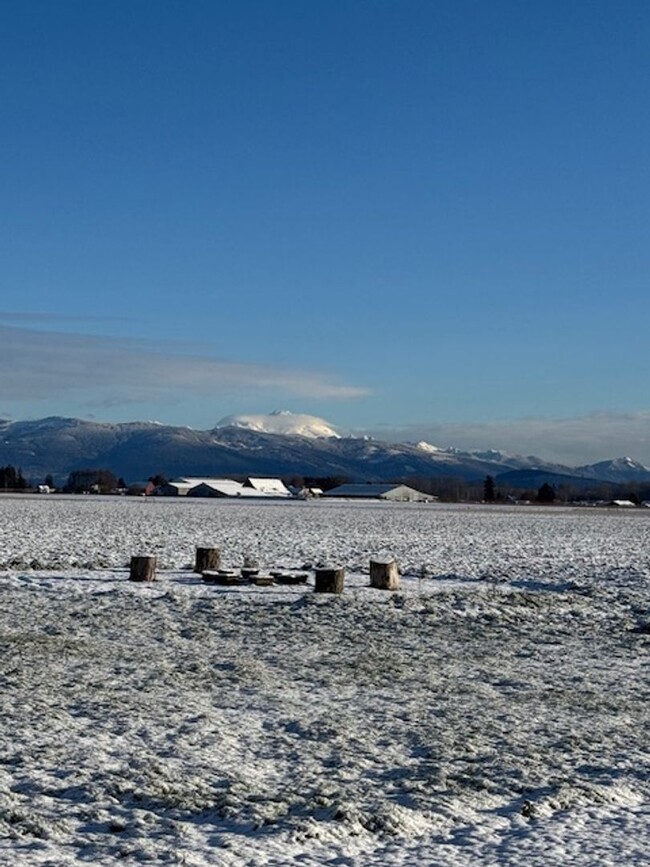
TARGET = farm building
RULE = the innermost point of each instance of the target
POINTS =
(273, 487)
(182, 486)
(395, 493)
(208, 487)
(176, 488)
(217, 488)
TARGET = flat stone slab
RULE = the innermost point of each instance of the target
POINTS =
(220, 577)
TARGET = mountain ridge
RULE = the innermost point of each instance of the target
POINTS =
(136, 450)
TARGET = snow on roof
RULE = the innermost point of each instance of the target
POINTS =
(202, 480)
(227, 487)
(386, 490)
(268, 486)
(185, 484)
(253, 487)
(372, 490)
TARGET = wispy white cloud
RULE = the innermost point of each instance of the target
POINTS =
(37, 364)
(573, 441)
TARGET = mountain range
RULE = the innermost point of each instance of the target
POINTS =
(260, 445)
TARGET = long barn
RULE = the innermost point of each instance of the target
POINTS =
(387, 491)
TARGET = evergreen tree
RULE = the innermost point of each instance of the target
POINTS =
(91, 481)
(489, 490)
(12, 479)
(546, 494)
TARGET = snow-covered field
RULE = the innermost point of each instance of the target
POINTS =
(494, 711)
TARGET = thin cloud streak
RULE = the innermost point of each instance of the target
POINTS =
(571, 441)
(42, 364)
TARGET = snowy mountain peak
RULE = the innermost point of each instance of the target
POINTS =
(629, 462)
(616, 470)
(427, 447)
(282, 422)
(622, 464)
(490, 454)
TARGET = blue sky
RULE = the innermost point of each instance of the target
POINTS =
(400, 216)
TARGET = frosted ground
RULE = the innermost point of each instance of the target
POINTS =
(495, 711)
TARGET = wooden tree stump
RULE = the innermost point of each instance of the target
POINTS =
(384, 575)
(207, 559)
(143, 569)
(329, 580)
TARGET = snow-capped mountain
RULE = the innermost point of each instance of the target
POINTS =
(428, 447)
(497, 459)
(282, 422)
(274, 444)
(618, 470)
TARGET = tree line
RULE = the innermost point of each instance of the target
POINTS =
(445, 488)
(79, 481)
(489, 489)
(11, 479)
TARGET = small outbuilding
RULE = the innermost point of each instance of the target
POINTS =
(382, 491)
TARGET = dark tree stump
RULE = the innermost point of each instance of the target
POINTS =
(329, 580)
(384, 575)
(207, 559)
(142, 569)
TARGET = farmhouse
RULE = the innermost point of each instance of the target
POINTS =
(395, 493)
